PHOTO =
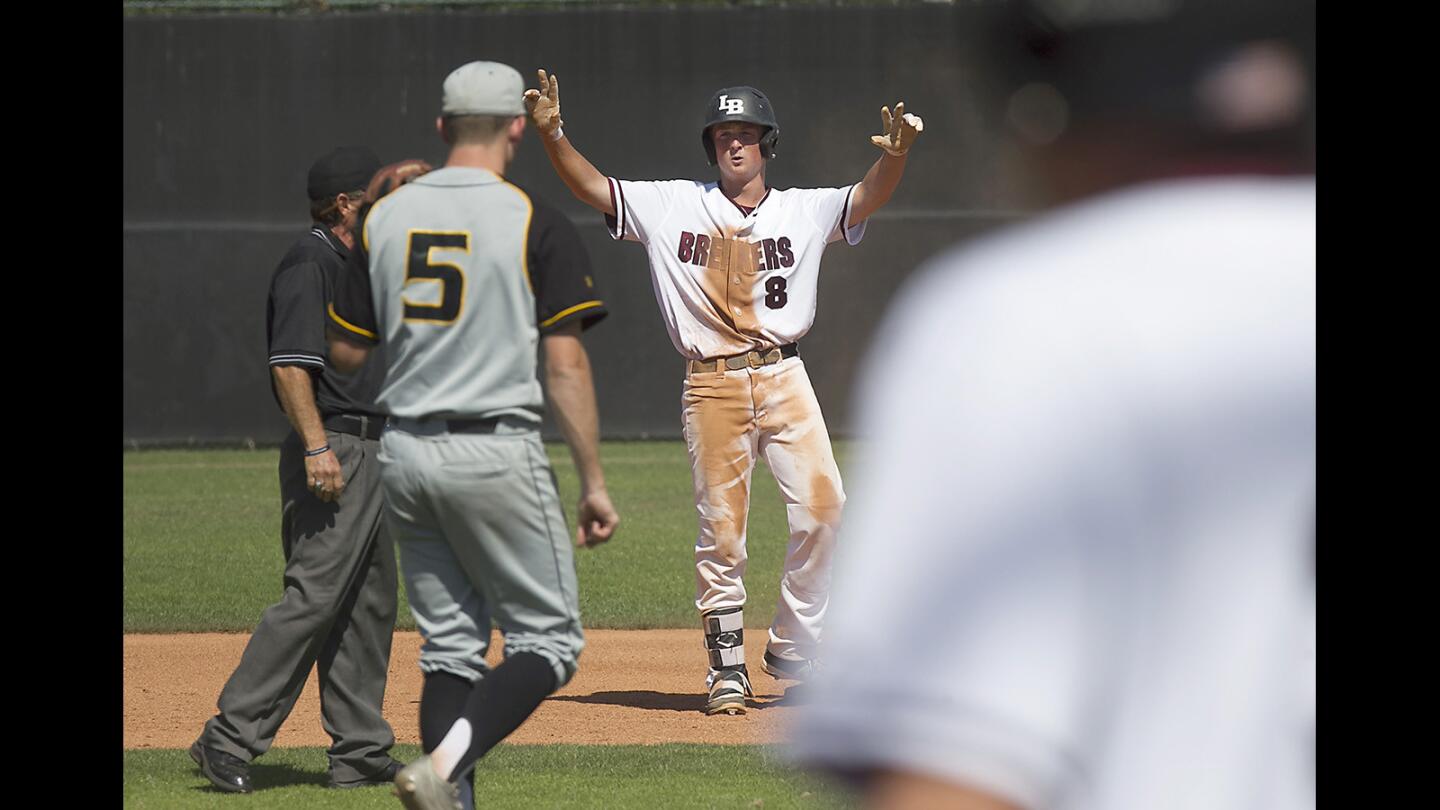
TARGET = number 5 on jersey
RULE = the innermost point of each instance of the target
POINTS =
(421, 266)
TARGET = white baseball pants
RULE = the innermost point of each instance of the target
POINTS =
(730, 417)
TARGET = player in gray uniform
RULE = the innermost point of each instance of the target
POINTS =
(466, 275)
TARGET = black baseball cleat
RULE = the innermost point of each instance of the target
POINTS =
(728, 689)
(226, 772)
(385, 776)
(789, 669)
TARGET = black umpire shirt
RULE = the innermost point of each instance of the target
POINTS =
(300, 291)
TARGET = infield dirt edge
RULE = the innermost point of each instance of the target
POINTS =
(633, 686)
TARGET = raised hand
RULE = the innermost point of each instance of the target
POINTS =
(900, 131)
(543, 105)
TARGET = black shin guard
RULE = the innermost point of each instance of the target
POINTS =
(501, 702)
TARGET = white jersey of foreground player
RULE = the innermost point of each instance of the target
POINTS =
(1078, 569)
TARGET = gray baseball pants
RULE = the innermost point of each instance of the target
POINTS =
(481, 535)
(338, 612)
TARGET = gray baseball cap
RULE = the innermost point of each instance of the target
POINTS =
(483, 88)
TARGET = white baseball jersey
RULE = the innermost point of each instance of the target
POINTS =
(729, 281)
(1077, 569)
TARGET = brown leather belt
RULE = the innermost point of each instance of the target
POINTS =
(747, 360)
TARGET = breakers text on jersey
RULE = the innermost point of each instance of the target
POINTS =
(718, 252)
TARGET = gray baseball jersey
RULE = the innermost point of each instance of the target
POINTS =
(460, 286)
(459, 273)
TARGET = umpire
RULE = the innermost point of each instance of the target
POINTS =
(338, 611)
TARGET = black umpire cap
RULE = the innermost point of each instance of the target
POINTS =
(345, 168)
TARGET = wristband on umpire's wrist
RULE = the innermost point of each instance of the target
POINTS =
(559, 133)
(317, 451)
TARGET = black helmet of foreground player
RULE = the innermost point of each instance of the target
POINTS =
(741, 103)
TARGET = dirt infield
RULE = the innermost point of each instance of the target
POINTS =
(634, 686)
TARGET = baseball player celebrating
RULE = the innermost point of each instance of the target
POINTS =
(734, 265)
(467, 276)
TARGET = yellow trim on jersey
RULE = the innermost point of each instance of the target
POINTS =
(365, 224)
(562, 313)
(430, 262)
(335, 316)
(525, 235)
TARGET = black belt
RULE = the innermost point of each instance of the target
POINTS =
(366, 427)
(486, 425)
(747, 360)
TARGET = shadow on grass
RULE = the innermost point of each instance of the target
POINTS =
(669, 701)
(264, 776)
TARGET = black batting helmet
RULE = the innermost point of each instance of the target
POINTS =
(741, 103)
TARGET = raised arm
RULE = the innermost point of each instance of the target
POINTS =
(879, 183)
(584, 180)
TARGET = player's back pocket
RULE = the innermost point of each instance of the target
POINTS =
(475, 456)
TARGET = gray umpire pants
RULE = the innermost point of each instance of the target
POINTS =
(338, 612)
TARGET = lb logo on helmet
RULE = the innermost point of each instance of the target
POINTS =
(731, 106)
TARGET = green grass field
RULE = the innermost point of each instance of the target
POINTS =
(202, 540)
(511, 776)
(202, 553)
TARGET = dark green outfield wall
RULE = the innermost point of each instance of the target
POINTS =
(223, 113)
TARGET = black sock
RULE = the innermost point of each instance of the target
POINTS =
(442, 702)
(501, 702)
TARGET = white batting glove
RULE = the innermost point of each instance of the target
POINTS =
(543, 105)
(900, 130)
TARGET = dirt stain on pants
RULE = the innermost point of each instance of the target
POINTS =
(729, 419)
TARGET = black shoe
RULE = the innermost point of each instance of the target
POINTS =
(226, 772)
(789, 669)
(728, 689)
(385, 776)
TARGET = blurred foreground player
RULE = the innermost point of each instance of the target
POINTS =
(1078, 572)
